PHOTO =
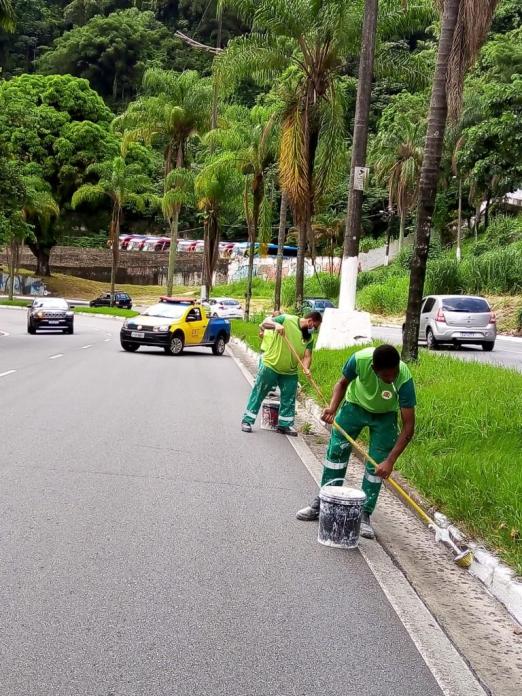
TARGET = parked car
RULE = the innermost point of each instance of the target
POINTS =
(173, 324)
(50, 313)
(121, 299)
(457, 319)
(316, 304)
(225, 307)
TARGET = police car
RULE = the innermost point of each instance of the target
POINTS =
(175, 323)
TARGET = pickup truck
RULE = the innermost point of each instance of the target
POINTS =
(175, 323)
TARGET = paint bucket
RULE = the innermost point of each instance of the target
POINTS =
(270, 414)
(340, 515)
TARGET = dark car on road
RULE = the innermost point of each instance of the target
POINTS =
(50, 313)
(121, 300)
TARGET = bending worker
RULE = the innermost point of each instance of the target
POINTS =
(279, 367)
(374, 385)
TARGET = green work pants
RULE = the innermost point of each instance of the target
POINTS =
(383, 436)
(267, 380)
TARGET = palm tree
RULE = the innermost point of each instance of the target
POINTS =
(251, 136)
(397, 158)
(465, 24)
(218, 189)
(7, 15)
(39, 207)
(310, 40)
(173, 108)
(122, 184)
(178, 190)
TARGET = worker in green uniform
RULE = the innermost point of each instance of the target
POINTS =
(374, 386)
(278, 367)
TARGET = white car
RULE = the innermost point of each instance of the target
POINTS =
(226, 308)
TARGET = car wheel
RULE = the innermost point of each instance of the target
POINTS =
(129, 347)
(431, 341)
(219, 346)
(31, 329)
(176, 344)
(70, 330)
(488, 347)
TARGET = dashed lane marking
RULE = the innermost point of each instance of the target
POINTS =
(58, 355)
(89, 345)
(9, 372)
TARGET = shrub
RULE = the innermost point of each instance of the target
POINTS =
(318, 285)
(385, 298)
(442, 277)
(498, 271)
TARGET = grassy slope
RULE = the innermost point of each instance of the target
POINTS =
(465, 457)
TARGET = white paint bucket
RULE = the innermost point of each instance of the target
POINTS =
(340, 515)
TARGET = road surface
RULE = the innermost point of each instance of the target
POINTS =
(149, 548)
(507, 352)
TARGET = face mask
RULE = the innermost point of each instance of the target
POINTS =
(312, 330)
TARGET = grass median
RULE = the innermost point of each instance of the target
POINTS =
(466, 456)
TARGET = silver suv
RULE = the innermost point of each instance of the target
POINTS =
(457, 319)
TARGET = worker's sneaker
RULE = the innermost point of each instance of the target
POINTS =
(366, 527)
(246, 427)
(310, 512)
(287, 430)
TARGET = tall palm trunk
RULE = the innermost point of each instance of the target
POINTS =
(360, 141)
(14, 254)
(210, 253)
(280, 251)
(429, 178)
(115, 239)
(402, 227)
(174, 224)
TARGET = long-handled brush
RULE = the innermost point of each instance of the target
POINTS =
(463, 558)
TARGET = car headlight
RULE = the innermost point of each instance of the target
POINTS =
(69, 314)
(161, 329)
(126, 324)
(39, 315)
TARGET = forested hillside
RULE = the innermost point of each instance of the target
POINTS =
(93, 90)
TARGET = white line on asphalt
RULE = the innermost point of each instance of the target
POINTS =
(105, 340)
(4, 333)
(440, 655)
(89, 345)
(58, 355)
(9, 372)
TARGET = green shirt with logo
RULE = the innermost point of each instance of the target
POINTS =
(278, 356)
(367, 390)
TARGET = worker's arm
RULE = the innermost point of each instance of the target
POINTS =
(307, 361)
(408, 428)
(338, 395)
(274, 324)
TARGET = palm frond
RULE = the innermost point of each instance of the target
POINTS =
(293, 167)
(90, 194)
(473, 23)
(7, 15)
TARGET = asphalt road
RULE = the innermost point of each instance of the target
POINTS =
(149, 548)
(507, 352)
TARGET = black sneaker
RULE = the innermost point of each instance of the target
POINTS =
(310, 512)
(287, 430)
(246, 427)
(366, 527)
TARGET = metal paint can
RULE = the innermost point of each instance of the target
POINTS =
(340, 515)
(269, 414)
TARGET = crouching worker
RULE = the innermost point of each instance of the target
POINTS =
(374, 385)
(278, 367)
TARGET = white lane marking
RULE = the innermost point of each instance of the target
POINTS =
(89, 345)
(58, 355)
(443, 660)
(9, 372)
(4, 333)
(105, 340)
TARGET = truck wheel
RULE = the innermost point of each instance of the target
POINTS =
(176, 344)
(129, 347)
(219, 346)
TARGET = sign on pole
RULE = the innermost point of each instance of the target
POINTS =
(360, 174)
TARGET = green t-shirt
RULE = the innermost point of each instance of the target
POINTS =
(278, 355)
(370, 392)
(267, 339)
